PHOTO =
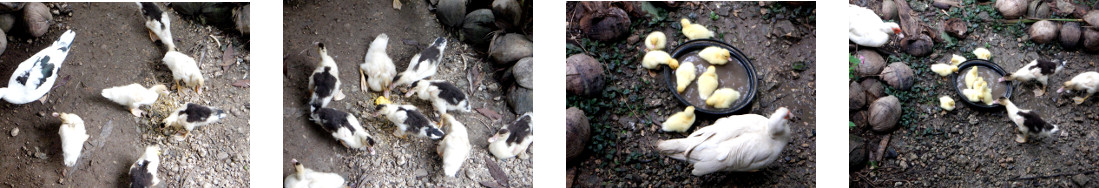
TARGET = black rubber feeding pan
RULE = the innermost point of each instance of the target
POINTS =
(991, 72)
(747, 89)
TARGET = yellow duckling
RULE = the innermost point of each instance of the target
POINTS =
(707, 83)
(695, 31)
(655, 41)
(723, 98)
(982, 53)
(972, 95)
(971, 77)
(655, 58)
(944, 69)
(957, 59)
(684, 76)
(715, 55)
(986, 93)
(946, 103)
(680, 121)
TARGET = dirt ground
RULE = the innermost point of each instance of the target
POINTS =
(347, 28)
(974, 147)
(111, 49)
(625, 118)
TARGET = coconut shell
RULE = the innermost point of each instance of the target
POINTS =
(583, 75)
(1038, 9)
(956, 28)
(1043, 31)
(1091, 40)
(37, 17)
(888, 9)
(1063, 7)
(874, 89)
(1070, 35)
(1080, 12)
(884, 114)
(871, 64)
(1011, 9)
(1092, 17)
(856, 96)
(861, 119)
(857, 152)
(918, 46)
(508, 48)
(898, 75)
(577, 132)
(605, 24)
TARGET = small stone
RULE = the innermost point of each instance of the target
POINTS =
(223, 156)
(15, 131)
(1080, 180)
(420, 172)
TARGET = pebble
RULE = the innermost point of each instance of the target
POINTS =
(223, 156)
(419, 173)
(15, 132)
(1080, 179)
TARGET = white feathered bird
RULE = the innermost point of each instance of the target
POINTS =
(344, 127)
(307, 178)
(1036, 70)
(423, 64)
(513, 139)
(184, 69)
(324, 82)
(134, 96)
(735, 143)
(193, 115)
(73, 136)
(143, 173)
(1087, 82)
(158, 24)
(34, 77)
(443, 95)
(865, 28)
(377, 69)
(454, 148)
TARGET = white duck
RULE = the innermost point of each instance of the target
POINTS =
(34, 77)
(307, 178)
(423, 64)
(324, 82)
(867, 29)
(143, 173)
(454, 148)
(192, 115)
(344, 127)
(1036, 70)
(735, 143)
(158, 24)
(1026, 121)
(512, 140)
(134, 95)
(1087, 81)
(184, 69)
(377, 66)
(73, 136)
(443, 95)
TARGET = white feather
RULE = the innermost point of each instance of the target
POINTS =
(38, 73)
(73, 136)
(378, 66)
(454, 148)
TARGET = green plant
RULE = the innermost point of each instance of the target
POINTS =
(854, 61)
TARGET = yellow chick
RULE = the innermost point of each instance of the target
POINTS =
(655, 41)
(986, 94)
(655, 58)
(944, 69)
(957, 59)
(707, 83)
(715, 55)
(684, 76)
(946, 103)
(972, 95)
(723, 98)
(381, 100)
(970, 77)
(982, 53)
(695, 31)
(680, 121)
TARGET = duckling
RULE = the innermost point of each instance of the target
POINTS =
(307, 178)
(454, 148)
(443, 95)
(946, 103)
(723, 98)
(1036, 70)
(956, 59)
(655, 41)
(972, 95)
(707, 83)
(345, 128)
(134, 96)
(680, 121)
(944, 69)
(158, 24)
(1027, 121)
(694, 31)
(986, 93)
(324, 83)
(378, 66)
(143, 172)
(1088, 81)
(656, 58)
(34, 77)
(982, 53)
(684, 76)
(971, 77)
(408, 118)
(865, 28)
(192, 115)
(184, 69)
(423, 65)
(715, 55)
(73, 136)
(514, 139)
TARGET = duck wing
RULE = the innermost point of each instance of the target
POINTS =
(37, 74)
